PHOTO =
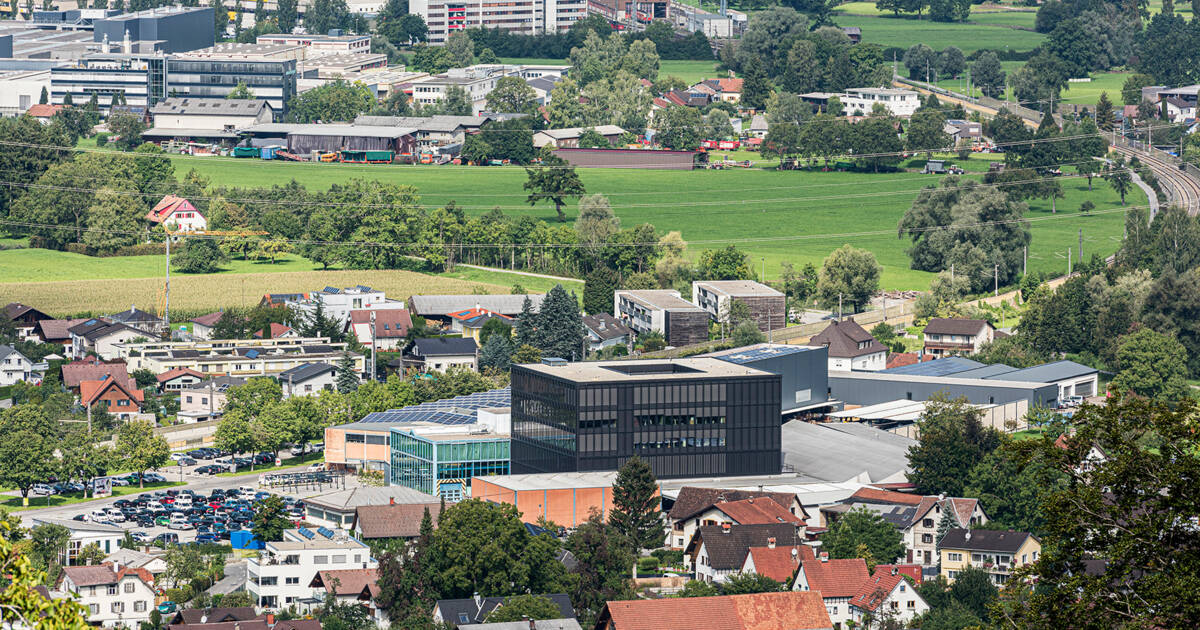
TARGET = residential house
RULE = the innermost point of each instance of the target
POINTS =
(275, 330)
(884, 595)
(914, 571)
(202, 327)
(339, 509)
(279, 577)
(750, 511)
(663, 311)
(469, 322)
(854, 33)
(998, 552)
(177, 379)
(100, 337)
(525, 624)
(837, 580)
(112, 395)
(237, 357)
(758, 126)
(83, 533)
(459, 612)
(93, 369)
(728, 90)
(114, 596)
(775, 562)
(350, 586)
(1179, 103)
(767, 307)
(569, 138)
(686, 515)
(202, 616)
(851, 347)
(337, 303)
(899, 102)
(1094, 456)
(387, 333)
(133, 559)
(716, 552)
(44, 112)
(917, 517)
(760, 611)
(435, 307)
(177, 214)
(945, 336)
(16, 367)
(392, 521)
(24, 318)
(308, 379)
(150, 324)
(282, 299)
(438, 354)
(205, 401)
(605, 331)
(687, 98)
(56, 331)
(963, 131)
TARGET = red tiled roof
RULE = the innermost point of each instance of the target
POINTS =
(659, 102)
(100, 574)
(777, 562)
(694, 499)
(761, 611)
(875, 590)
(168, 205)
(42, 110)
(176, 373)
(90, 391)
(725, 85)
(277, 330)
(209, 320)
(900, 359)
(761, 512)
(963, 508)
(886, 496)
(833, 577)
(911, 570)
(76, 372)
(389, 322)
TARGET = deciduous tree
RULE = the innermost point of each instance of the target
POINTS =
(952, 440)
(863, 528)
(140, 448)
(848, 275)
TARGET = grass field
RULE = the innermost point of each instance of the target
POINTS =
(200, 293)
(689, 71)
(530, 283)
(905, 32)
(795, 216)
(1082, 94)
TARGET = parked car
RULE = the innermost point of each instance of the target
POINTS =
(140, 537)
(168, 606)
(166, 538)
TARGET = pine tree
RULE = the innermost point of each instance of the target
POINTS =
(635, 514)
(45, 98)
(560, 326)
(347, 376)
(947, 523)
(496, 353)
(598, 290)
(525, 332)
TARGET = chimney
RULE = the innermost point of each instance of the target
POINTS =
(795, 554)
(204, 618)
(478, 599)
(824, 556)
(771, 543)
(532, 623)
(392, 501)
(725, 528)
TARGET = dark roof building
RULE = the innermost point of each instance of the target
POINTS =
(604, 330)
(847, 339)
(693, 500)
(726, 546)
(988, 540)
(458, 612)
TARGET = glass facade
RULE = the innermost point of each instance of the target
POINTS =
(445, 467)
(702, 426)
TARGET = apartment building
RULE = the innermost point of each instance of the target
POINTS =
(998, 552)
(318, 45)
(279, 577)
(114, 596)
(899, 102)
(236, 357)
(337, 303)
(205, 401)
(477, 80)
(525, 17)
(767, 306)
(662, 310)
(945, 336)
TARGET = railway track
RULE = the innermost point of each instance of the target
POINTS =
(1182, 189)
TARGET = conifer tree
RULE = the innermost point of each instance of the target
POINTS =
(525, 331)
(635, 514)
(347, 376)
(560, 326)
(496, 353)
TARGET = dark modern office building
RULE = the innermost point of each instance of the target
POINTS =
(215, 77)
(803, 371)
(179, 28)
(698, 417)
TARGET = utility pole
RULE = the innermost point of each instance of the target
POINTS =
(1025, 260)
(374, 334)
(1080, 244)
(839, 307)
(996, 280)
(1068, 261)
(167, 292)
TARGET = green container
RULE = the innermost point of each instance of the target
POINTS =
(246, 152)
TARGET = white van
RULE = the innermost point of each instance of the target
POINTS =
(178, 517)
(115, 515)
(246, 492)
(183, 500)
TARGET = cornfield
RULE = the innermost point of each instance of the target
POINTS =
(193, 295)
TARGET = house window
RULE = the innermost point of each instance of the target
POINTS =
(188, 399)
(320, 559)
(94, 609)
(954, 557)
(339, 559)
(927, 538)
(112, 589)
(912, 604)
(927, 523)
(291, 580)
(118, 607)
(129, 587)
(139, 606)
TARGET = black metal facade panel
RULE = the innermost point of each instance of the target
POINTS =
(707, 426)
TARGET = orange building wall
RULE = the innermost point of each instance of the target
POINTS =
(337, 451)
(568, 507)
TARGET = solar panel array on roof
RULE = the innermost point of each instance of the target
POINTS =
(305, 532)
(948, 366)
(755, 354)
(326, 532)
(457, 410)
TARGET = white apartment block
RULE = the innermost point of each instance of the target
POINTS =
(337, 303)
(477, 80)
(280, 576)
(236, 357)
(114, 596)
(898, 102)
(319, 45)
(527, 17)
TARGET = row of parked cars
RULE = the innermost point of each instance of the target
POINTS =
(212, 516)
(67, 487)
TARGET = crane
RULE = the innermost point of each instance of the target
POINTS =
(164, 297)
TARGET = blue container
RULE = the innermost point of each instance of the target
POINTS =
(244, 539)
(268, 153)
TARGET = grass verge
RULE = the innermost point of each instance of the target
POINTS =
(294, 462)
(14, 503)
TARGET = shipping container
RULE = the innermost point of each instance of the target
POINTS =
(245, 152)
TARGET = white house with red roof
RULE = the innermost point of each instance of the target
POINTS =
(114, 595)
(179, 213)
(178, 378)
(838, 580)
(886, 594)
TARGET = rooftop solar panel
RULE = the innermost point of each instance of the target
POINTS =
(948, 366)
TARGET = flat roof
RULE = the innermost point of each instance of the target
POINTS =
(240, 48)
(310, 129)
(937, 367)
(665, 299)
(936, 380)
(739, 287)
(315, 544)
(645, 370)
(759, 351)
(553, 481)
(1048, 372)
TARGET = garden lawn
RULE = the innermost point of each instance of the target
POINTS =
(794, 216)
(14, 503)
(905, 32)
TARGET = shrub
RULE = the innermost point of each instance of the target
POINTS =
(647, 565)
(101, 139)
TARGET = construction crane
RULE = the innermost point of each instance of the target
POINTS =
(164, 297)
